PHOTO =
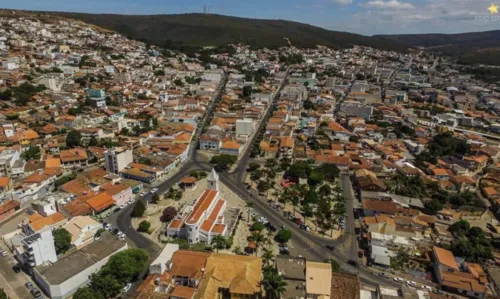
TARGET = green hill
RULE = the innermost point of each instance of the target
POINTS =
(198, 30)
(469, 48)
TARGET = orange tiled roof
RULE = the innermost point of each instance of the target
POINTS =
(100, 202)
(4, 181)
(201, 205)
(445, 257)
(38, 222)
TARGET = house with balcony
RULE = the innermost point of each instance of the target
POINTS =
(36, 249)
(287, 145)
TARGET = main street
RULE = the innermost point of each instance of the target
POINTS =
(309, 245)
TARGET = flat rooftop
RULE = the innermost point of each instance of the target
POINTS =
(291, 267)
(77, 261)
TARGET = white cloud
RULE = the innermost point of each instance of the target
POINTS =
(391, 4)
(342, 2)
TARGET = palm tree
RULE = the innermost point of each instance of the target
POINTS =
(258, 238)
(274, 285)
(267, 256)
(218, 242)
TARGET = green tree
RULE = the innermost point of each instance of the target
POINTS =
(3, 295)
(434, 206)
(62, 240)
(73, 139)
(87, 293)
(258, 238)
(247, 91)
(325, 190)
(267, 256)
(459, 228)
(105, 284)
(223, 162)
(168, 214)
(138, 210)
(155, 198)
(32, 153)
(315, 178)
(219, 242)
(330, 171)
(257, 226)
(299, 169)
(283, 236)
(127, 265)
(334, 263)
(144, 226)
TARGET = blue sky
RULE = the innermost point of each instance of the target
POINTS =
(359, 16)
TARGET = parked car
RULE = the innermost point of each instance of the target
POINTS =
(107, 226)
(411, 283)
(154, 190)
(3, 253)
(126, 287)
(16, 268)
(398, 279)
(29, 285)
(331, 247)
(36, 293)
(427, 288)
(383, 275)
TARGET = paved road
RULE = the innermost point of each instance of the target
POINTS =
(306, 244)
(12, 282)
(349, 235)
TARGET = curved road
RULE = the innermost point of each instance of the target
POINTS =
(310, 245)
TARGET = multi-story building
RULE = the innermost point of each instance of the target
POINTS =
(116, 159)
(37, 249)
(7, 160)
(205, 218)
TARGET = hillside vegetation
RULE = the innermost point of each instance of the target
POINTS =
(185, 31)
(469, 48)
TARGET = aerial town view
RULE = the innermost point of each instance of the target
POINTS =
(170, 151)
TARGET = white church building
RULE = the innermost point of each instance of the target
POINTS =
(204, 219)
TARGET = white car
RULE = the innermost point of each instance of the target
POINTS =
(427, 288)
(126, 287)
(3, 253)
(154, 190)
(411, 283)
(398, 279)
(122, 206)
(107, 226)
(143, 193)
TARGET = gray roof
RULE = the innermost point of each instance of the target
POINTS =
(75, 262)
(291, 268)
(404, 201)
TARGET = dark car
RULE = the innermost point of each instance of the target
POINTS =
(29, 285)
(16, 268)
(271, 228)
(36, 293)
(353, 263)
(331, 247)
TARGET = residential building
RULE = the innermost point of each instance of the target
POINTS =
(116, 159)
(61, 278)
(318, 280)
(451, 279)
(82, 230)
(37, 249)
(235, 276)
(293, 270)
